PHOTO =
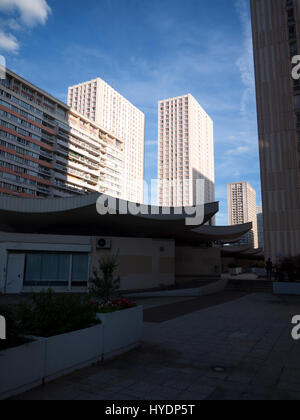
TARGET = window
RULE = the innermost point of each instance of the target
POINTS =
(80, 270)
(56, 270)
(294, 48)
(297, 102)
(292, 32)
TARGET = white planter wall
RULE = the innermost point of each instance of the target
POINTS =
(122, 331)
(68, 352)
(235, 271)
(26, 367)
(21, 368)
(286, 288)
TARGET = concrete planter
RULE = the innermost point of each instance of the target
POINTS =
(235, 271)
(26, 367)
(21, 368)
(69, 352)
(122, 331)
(286, 288)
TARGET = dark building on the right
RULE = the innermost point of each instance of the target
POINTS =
(276, 39)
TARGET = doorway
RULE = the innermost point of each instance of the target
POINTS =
(15, 273)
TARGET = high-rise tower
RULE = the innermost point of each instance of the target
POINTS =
(186, 152)
(276, 39)
(242, 209)
(101, 103)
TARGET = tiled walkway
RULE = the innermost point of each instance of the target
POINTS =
(250, 337)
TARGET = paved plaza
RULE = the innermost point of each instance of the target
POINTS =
(248, 336)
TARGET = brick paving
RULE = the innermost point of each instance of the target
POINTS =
(250, 337)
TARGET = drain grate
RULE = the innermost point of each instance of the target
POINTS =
(218, 369)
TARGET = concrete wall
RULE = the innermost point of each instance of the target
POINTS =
(277, 106)
(22, 243)
(143, 263)
(195, 262)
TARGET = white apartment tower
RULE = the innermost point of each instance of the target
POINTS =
(242, 209)
(186, 152)
(101, 103)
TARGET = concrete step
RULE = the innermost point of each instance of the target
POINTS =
(254, 286)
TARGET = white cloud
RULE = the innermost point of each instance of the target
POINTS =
(8, 42)
(13, 25)
(222, 219)
(151, 143)
(238, 151)
(26, 13)
(245, 61)
(31, 12)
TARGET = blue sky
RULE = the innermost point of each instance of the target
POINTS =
(148, 50)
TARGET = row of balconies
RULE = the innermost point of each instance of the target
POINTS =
(68, 152)
(76, 165)
(84, 153)
(68, 186)
(82, 159)
(82, 145)
(81, 178)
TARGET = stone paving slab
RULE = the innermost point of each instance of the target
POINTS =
(249, 336)
(187, 306)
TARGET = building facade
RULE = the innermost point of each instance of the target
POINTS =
(58, 243)
(185, 152)
(242, 209)
(48, 150)
(276, 39)
(260, 227)
(101, 103)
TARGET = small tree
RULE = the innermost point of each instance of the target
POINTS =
(103, 283)
(287, 269)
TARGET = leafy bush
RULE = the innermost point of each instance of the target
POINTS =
(233, 265)
(103, 286)
(297, 266)
(48, 314)
(288, 269)
(13, 330)
(259, 264)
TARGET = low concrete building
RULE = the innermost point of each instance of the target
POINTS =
(66, 263)
(58, 244)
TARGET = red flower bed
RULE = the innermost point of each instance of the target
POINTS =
(113, 306)
(124, 303)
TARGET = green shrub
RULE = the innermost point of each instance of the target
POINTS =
(260, 264)
(232, 265)
(48, 314)
(288, 269)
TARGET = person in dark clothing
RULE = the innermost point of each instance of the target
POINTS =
(269, 268)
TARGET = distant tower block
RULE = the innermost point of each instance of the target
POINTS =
(185, 152)
(242, 209)
(101, 103)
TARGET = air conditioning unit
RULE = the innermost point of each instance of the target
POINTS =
(103, 243)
